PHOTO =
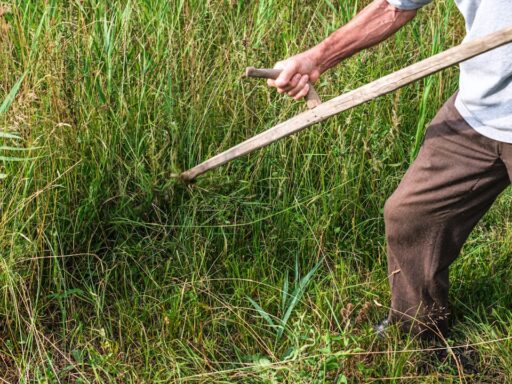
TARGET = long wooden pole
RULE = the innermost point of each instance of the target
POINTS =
(356, 97)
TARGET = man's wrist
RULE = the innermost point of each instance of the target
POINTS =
(317, 55)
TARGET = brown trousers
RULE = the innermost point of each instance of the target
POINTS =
(454, 180)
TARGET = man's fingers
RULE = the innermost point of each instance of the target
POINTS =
(286, 75)
(303, 92)
(299, 86)
(290, 80)
(293, 82)
(272, 83)
(291, 85)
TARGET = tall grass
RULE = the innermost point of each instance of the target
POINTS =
(112, 271)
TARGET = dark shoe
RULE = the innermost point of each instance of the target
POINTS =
(463, 357)
(425, 336)
(439, 359)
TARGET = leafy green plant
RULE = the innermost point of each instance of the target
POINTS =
(288, 300)
(7, 138)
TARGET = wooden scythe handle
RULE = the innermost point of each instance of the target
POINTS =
(312, 98)
(356, 97)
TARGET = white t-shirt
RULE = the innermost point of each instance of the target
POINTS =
(485, 95)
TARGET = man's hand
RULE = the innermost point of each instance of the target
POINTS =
(297, 71)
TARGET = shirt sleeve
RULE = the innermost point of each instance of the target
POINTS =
(408, 4)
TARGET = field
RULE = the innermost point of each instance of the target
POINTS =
(271, 269)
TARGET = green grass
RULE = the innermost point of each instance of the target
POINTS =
(269, 269)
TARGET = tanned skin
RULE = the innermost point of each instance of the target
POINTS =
(373, 24)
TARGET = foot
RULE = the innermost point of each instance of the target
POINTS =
(382, 331)
(463, 357)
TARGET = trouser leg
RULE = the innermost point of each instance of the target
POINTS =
(454, 180)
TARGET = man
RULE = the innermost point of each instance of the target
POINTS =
(463, 165)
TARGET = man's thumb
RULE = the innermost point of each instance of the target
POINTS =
(286, 75)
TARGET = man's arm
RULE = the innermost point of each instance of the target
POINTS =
(373, 24)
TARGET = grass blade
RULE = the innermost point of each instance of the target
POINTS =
(296, 296)
(285, 292)
(262, 312)
(11, 95)
(7, 135)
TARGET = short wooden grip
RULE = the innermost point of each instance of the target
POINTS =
(312, 98)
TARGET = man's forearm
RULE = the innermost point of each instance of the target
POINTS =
(372, 25)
